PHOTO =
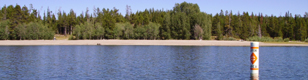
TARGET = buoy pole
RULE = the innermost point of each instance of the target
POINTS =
(254, 59)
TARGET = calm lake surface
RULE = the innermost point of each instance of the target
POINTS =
(150, 62)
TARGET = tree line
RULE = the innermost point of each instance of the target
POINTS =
(184, 21)
(248, 25)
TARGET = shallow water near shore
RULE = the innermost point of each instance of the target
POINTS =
(150, 62)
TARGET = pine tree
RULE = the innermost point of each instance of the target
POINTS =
(219, 32)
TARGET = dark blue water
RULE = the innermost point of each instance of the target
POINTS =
(150, 62)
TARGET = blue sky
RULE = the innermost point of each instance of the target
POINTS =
(268, 7)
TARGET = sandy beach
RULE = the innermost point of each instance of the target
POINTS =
(139, 42)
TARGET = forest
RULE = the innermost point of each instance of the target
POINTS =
(184, 22)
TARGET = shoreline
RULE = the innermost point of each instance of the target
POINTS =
(137, 42)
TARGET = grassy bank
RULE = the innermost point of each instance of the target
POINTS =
(291, 42)
(268, 39)
(61, 37)
(277, 40)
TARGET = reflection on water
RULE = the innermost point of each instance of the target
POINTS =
(149, 62)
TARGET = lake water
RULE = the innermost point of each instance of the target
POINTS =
(150, 62)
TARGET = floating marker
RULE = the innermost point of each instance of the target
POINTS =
(254, 59)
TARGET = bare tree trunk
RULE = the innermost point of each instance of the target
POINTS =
(259, 33)
(71, 30)
(65, 30)
(90, 36)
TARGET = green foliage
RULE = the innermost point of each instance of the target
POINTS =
(99, 31)
(267, 39)
(286, 39)
(165, 29)
(219, 32)
(18, 22)
(140, 32)
(71, 37)
(179, 23)
(128, 31)
(87, 30)
(149, 31)
(306, 40)
(257, 38)
(118, 30)
(21, 31)
(33, 31)
(278, 39)
(4, 30)
(77, 32)
(152, 30)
